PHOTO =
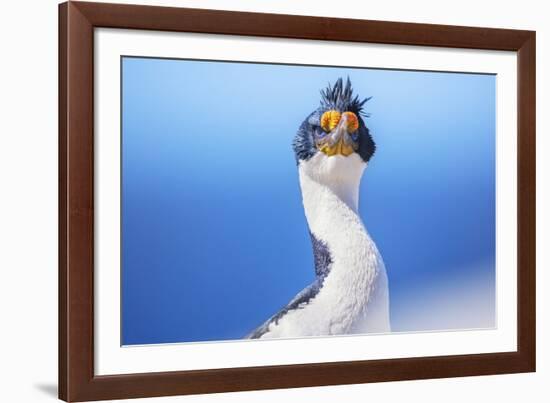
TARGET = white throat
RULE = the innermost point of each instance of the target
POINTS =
(338, 175)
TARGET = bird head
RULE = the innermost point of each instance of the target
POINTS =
(335, 131)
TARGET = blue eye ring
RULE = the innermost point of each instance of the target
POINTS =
(319, 132)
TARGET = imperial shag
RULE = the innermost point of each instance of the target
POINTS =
(350, 293)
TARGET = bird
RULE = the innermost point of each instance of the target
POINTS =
(349, 295)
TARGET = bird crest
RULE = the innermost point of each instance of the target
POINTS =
(340, 97)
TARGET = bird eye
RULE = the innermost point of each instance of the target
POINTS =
(319, 132)
(329, 120)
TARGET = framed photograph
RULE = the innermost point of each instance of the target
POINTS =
(255, 201)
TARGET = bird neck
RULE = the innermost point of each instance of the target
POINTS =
(330, 193)
(347, 261)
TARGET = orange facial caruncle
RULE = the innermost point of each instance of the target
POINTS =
(330, 120)
(352, 122)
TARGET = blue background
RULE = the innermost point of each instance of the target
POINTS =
(214, 238)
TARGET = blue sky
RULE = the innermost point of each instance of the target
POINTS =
(214, 238)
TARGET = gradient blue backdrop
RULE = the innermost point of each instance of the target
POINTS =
(214, 235)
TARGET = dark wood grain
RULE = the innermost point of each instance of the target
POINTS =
(77, 21)
(300, 27)
(77, 217)
(526, 197)
(63, 319)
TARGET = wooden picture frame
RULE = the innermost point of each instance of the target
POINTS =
(77, 381)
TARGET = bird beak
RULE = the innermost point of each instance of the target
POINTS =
(338, 141)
